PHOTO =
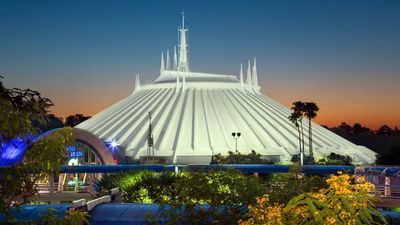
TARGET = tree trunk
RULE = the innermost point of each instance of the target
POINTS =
(302, 135)
(301, 152)
(309, 137)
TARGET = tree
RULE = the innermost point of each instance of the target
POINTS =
(310, 110)
(76, 119)
(40, 156)
(347, 129)
(396, 130)
(385, 130)
(295, 119)
(298, 113)
(358, 129)
(52, 122)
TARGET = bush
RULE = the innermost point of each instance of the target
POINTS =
(283, 187)
(152, 188)
(342, 202)
(336, 159)
(237, 158)
(222, 193)
(307, 160)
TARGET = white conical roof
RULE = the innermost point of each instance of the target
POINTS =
(193, 121)
(193, 125)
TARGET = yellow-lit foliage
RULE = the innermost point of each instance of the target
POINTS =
(343, 202)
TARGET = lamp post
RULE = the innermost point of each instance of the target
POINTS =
(236, 135)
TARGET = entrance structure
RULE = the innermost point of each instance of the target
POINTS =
(194, 115)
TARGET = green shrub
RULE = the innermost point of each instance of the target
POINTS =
(282, 187)
(152, 188)
(183, 192)
(238, 158)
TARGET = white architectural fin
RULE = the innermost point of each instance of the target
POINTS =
(254, 72)
(168, 65)
(241, 76)
(162, 67)
(175, 66)
(183, 48)
(248, 75)
(137, 83)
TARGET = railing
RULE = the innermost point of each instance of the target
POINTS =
(45, 187)
(385, 178)
(245, 168)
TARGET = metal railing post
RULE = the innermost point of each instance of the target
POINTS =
(388, 191)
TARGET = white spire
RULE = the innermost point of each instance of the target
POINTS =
(162, 67)
(241, 75)
(168, 65)
(175, 66)
(255, 79)
(183, 52)
(137, 83)
(248, 75)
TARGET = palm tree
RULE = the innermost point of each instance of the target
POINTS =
(298, 116)
(294, 118)
(310, 110)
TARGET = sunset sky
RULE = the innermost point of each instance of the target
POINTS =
(344, 54)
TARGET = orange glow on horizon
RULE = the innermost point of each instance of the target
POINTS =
(370, 107)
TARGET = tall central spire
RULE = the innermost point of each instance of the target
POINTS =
(183, 51)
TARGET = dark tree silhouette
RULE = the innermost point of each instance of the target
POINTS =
(310, 110)
(76, 119)
(297, 118)
(347, 129)
(294, 118)
(385, 130)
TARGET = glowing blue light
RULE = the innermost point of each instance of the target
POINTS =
(12, 152)
(112, 145)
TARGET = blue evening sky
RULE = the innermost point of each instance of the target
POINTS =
(50, 45)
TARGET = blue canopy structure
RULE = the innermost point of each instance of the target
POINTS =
(34, 212)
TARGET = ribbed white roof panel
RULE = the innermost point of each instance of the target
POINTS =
(194, 120)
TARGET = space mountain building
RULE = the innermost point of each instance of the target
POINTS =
(187, 117)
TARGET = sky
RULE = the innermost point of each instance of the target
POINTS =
(83, 55)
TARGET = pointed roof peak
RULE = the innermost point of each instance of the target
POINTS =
(183, 19)
(248, 75)
(241, 76)
(183, 48)
(162, 66)
(255, 76)
(137, 83)
(175, 63)
(168, 64)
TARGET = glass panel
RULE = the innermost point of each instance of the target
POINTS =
(86, 154)
(93, 159)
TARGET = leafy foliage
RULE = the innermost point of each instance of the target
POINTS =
(307, 160)
(76, 119)
(43, 157)
(222, 193)
(73, 217)
(238, 158)
(343, 202)
(336, 159)
(282, 187)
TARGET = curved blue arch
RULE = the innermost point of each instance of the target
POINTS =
(12, 152)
